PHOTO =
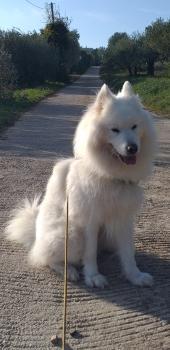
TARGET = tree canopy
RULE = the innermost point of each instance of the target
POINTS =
(139, 51)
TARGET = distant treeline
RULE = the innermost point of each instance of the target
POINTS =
(51, 55)
(138, 52)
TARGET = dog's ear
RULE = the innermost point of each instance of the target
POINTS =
(103, 95)
(127, 90)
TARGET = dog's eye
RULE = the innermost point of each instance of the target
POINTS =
(116, 130)
(134, 127)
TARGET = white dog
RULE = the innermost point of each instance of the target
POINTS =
(114, 146)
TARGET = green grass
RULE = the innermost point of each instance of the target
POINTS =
(153, 91)
(22, 99)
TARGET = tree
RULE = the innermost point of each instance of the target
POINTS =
(123, 52)
(156, 41)
(85, 61)
(138, 58)
(115, 38)
(73, 52)
(97, 54)
(138, 51)
(33, 59)
(8, 74)
(59, 36)
(56, 34)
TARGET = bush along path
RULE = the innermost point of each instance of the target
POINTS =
(22, 99)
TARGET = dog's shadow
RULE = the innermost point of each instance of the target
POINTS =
(147, 300)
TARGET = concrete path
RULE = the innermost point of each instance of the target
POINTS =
(121, 316)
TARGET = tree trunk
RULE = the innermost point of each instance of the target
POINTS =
(135, 71)
(129, 70)
(150, 67)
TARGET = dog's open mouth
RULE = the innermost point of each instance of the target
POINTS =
(129, 160)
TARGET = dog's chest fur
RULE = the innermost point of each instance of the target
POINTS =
(102, 198)
(115, 199)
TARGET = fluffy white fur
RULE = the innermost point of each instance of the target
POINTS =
(102, 183)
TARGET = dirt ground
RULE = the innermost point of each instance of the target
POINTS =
(119, 317)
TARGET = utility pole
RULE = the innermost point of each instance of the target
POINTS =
(52, 12)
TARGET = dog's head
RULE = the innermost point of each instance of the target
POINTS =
(116, 135)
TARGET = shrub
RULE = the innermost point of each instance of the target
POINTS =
(8, 75)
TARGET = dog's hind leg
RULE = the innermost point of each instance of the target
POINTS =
(51, 254)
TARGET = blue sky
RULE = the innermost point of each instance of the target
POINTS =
(95, 20)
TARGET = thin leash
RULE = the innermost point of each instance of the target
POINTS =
(65, 277)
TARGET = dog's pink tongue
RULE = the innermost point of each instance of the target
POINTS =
(129, 160)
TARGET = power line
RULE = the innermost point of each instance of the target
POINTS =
(29, 2)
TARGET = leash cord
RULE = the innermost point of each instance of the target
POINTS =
(65, 278)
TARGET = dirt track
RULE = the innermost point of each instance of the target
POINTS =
(121, 316)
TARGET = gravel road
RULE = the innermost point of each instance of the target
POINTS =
(119, 317)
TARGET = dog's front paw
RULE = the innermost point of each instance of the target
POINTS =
(97, 280)
(142, 279)
(72, 274)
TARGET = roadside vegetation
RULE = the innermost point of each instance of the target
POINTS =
(22, 99)
(144, 60)
(34, 65)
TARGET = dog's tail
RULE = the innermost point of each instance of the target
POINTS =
(21, 227)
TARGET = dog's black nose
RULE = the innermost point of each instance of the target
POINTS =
(131, 148)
